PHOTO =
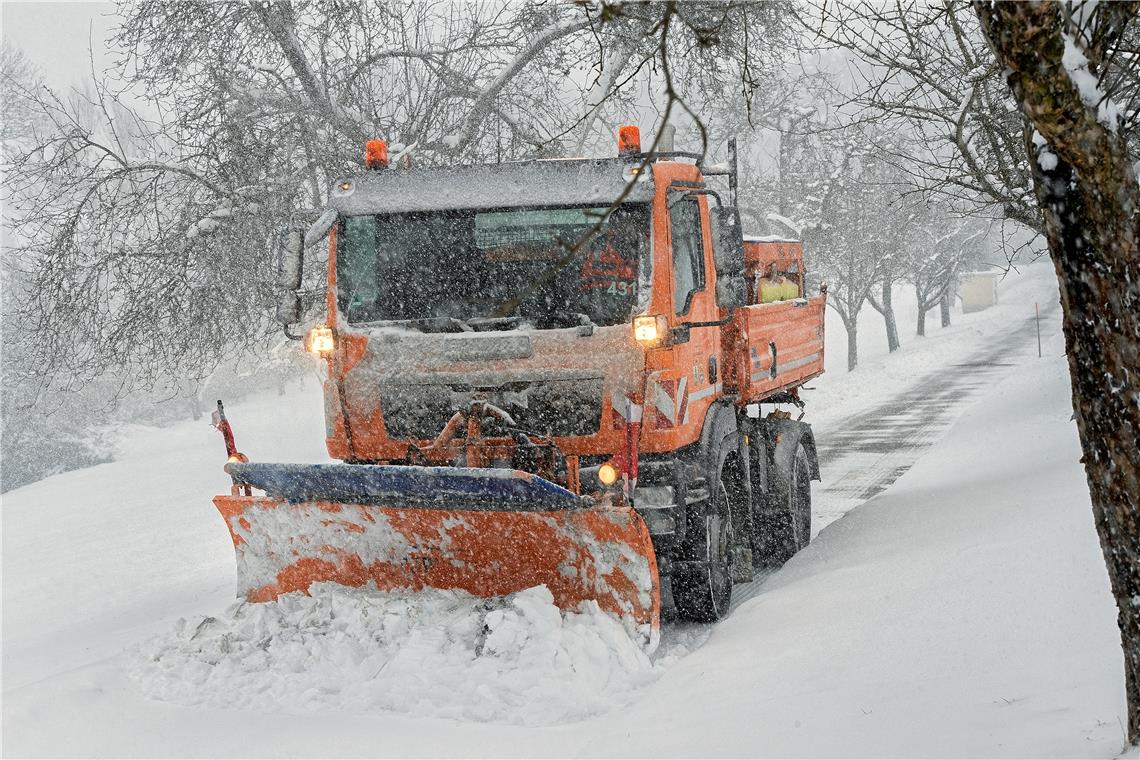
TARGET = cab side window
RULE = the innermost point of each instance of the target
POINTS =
(357, 262)
(688, 254)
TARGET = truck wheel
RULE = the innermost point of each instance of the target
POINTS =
(786, 527)
(702, 586)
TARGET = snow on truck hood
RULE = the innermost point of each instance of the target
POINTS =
(579, 182)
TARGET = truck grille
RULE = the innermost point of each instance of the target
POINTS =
(558, 407)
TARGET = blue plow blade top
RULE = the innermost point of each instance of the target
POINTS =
(404, 486)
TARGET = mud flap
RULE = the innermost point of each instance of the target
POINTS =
(486, 532)
(784, 436)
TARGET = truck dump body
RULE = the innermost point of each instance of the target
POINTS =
(784, 337)
(784, 346)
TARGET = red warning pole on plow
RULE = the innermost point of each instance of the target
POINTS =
(219, 421)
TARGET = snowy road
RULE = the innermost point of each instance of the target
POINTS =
(869, 451)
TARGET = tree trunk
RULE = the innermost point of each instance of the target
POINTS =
(889, 318)
(1102, 331)
(944, 306)
(892, 330)
(852, 342)
(1089, 196)
(887, 309)
(920, 328)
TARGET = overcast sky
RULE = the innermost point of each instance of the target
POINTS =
(56, 36)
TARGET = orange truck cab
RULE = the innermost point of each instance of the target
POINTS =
(596, 322)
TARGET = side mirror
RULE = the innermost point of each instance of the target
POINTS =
(290, 273)
(291, 260)
(291, 266)
(289, 308)
(321, 227)
(728, 255)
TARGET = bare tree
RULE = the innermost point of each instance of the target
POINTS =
(845, 230)
(1064, 68)
(37, 438)
(19, 78)
(926, 71)
(884, 303)
(901, 217)
(841, 197)
(151, 233)
(850, 277)
(939, 245)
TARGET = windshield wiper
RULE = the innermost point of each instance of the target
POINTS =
(431, 324)
(480, 324)
(580, 319)
(563, 318)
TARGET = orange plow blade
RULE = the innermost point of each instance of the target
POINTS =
(597, 553)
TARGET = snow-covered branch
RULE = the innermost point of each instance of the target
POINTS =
(482, 102)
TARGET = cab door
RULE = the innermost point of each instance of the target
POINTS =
(678, 395)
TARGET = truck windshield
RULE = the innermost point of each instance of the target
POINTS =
(480, 265)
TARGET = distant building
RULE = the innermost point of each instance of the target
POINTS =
(978, 290)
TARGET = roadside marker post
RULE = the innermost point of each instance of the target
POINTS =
(1037, 311)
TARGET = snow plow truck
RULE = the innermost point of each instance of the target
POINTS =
(565, 372)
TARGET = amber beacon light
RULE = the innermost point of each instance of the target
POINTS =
(629, 140)
(376, 154)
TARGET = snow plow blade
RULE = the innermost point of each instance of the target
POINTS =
(489, 532)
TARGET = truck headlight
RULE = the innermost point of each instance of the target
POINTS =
(320, 341)
(649, 329)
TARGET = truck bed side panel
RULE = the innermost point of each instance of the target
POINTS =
(783, 345)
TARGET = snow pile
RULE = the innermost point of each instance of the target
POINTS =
(447, 654)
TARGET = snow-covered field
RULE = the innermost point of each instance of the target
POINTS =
(964, 611)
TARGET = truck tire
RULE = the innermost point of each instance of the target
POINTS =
(785, 527)
(702, 584)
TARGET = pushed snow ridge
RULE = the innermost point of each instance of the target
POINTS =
(444, 654)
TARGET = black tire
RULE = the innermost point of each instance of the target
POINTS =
(786, 524)
(702, 586)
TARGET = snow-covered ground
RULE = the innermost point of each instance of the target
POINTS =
(964, 611)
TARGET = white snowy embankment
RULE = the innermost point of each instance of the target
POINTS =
(963, 612)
